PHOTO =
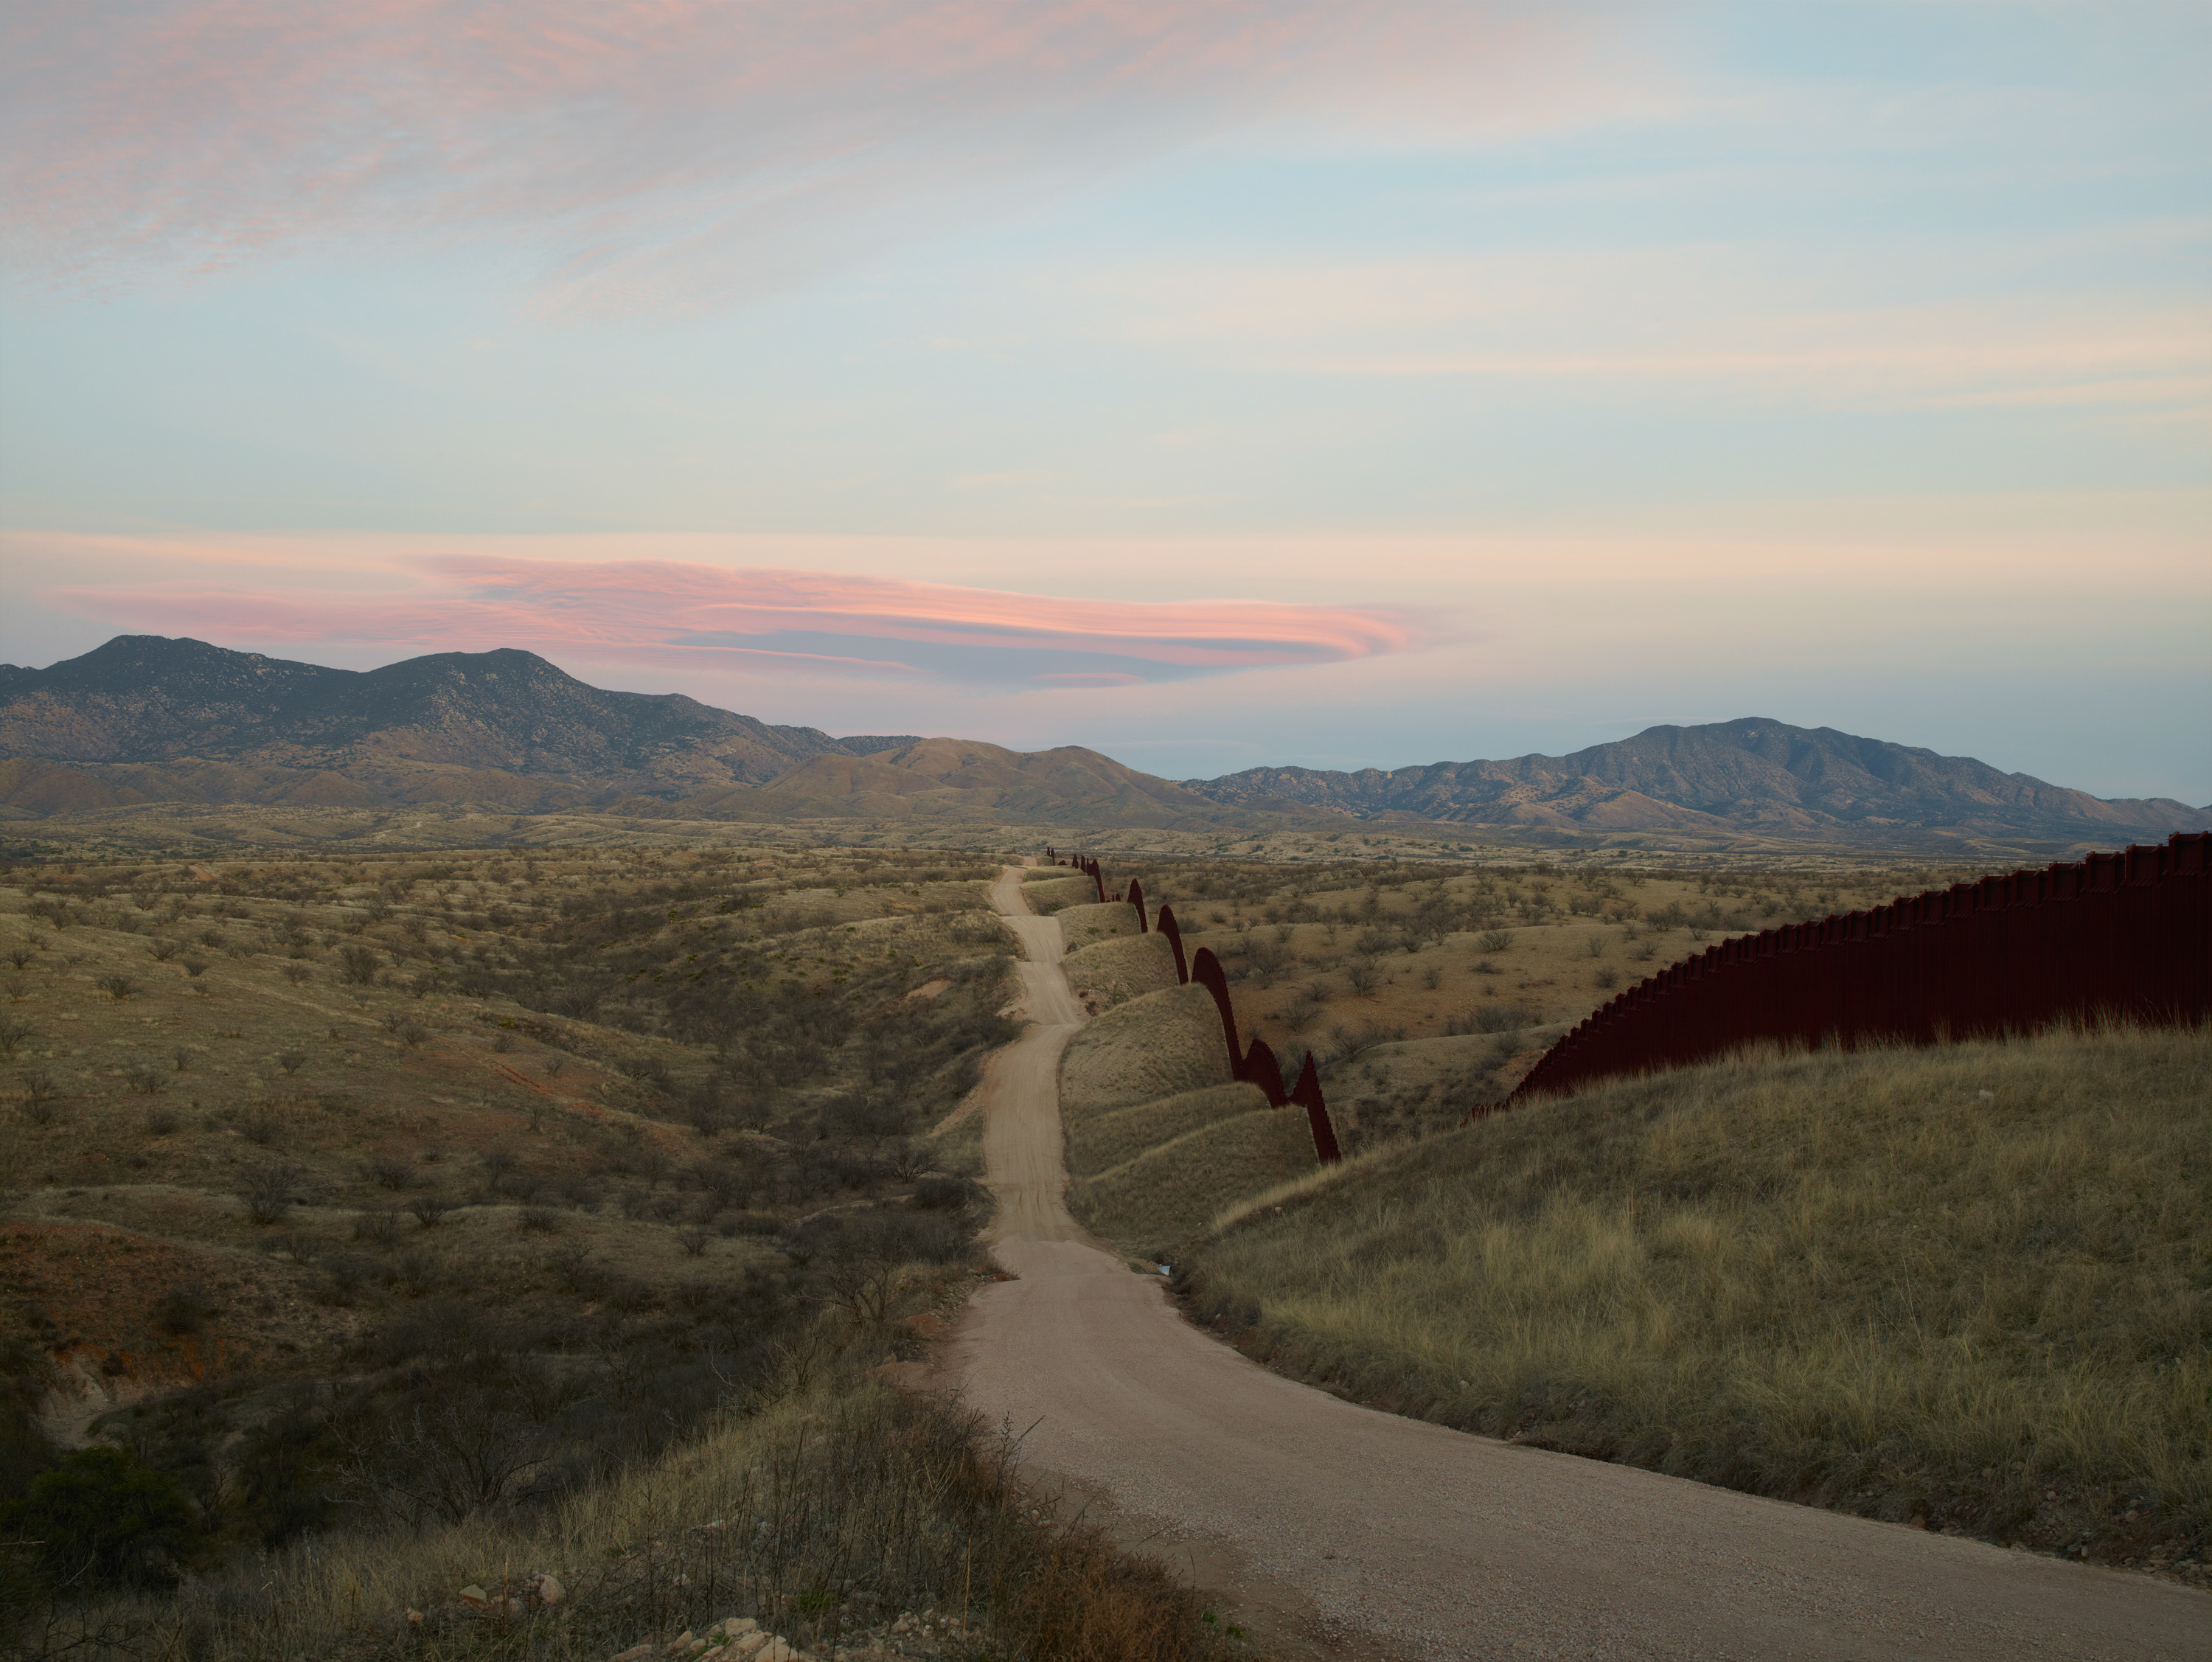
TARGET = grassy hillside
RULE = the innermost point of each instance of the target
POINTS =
(1970, 1287)
(1161, 1198)
(1156, 1046)
(365, 1190)
(1115, 971)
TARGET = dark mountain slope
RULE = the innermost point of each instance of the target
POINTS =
(1752, 775)
(177, 719)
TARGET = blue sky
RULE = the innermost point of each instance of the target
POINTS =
(1473, 379)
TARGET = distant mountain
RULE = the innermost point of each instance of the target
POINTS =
(963, 779)
(145, 718)
(1729, 777)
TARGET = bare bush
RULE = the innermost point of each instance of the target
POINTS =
(267, 1194)
(42, 1097)
(15, 1033)
(378, 1226)
(117, 987)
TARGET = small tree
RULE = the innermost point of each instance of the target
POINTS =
(359, 966)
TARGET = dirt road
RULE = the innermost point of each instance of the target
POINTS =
(1386, 1536)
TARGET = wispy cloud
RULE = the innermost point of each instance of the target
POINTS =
(679, 614)
(671, 153)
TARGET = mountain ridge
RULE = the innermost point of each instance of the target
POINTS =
(154, 715)
(147, 719)
(1751, 775)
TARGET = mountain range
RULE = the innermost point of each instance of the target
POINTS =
(1755, 775)
(146, 719)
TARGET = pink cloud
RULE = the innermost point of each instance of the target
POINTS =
(665, 152)
(676, 613)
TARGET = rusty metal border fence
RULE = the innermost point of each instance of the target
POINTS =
(2126, 935)
(1255, 1065)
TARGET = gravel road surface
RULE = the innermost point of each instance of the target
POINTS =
(1371, 1535)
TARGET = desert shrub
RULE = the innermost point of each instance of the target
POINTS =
(184, 1308)
(291, 1062)
(41, 1096)
(117, 987)
(144, 1078)
(1494, 940)
(160, 1121)
(15, 1033)
(359, 966)
(1501, 1018)
(163, 949)
(943, 1193)
(430, 1210)
(387, 1172)
(99, 1516)
(267, 1194)
(378, 1226)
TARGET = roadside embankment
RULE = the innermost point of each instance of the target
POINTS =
(1965, 1286)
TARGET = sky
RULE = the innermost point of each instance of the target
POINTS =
(1216, 383)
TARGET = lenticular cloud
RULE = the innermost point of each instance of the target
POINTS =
(662, 155)
(679, 614)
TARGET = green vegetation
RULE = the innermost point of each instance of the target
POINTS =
(1969, 1285)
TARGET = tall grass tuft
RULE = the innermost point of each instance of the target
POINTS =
(1968, 1284)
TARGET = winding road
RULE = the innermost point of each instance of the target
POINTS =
(1334, 1530)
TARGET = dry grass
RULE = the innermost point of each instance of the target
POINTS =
(1968, 1284)
(1162, 1197)
(1114, 972)
(1084, 926)
(1047, 894)
(1159, 1045)
(1098, 1142)
(822, 1516)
